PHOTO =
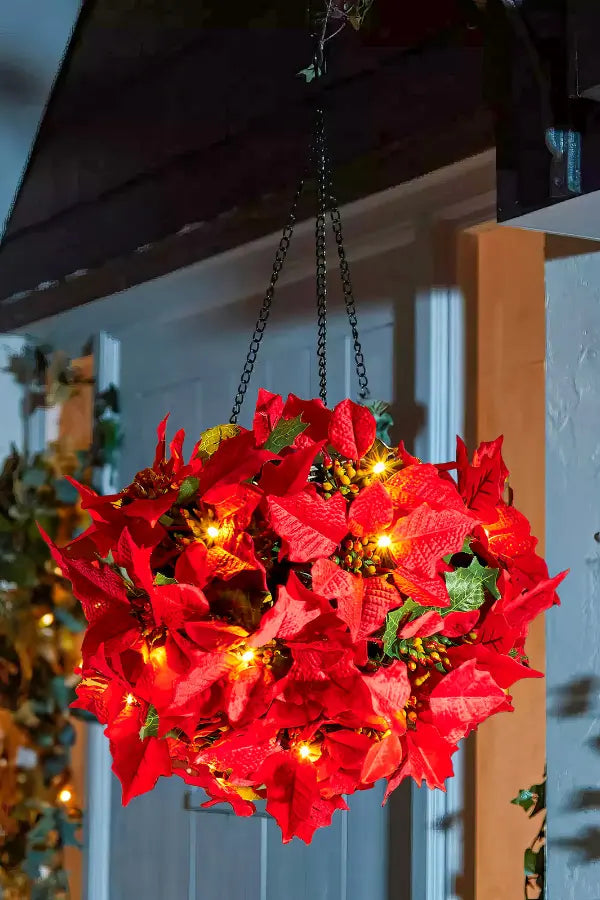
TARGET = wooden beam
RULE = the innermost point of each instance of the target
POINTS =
(421, 112)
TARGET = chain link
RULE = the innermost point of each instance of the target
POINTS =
(321, 253)
(326, 202)
(350, 302)
(263, 317)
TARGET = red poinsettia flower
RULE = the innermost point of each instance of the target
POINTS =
(300, 611)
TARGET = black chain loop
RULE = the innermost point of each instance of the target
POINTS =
(326, 202)
(349, 301)
(321, 253)
(263, 317)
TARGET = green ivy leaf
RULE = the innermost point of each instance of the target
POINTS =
(309, 74)
(390, 635)
(161, 579)
(531, 862)
(211, 440)
(189, 486)
(284, 434)
(466, 587)
(150, 726)
(524, 799)
(406, 613)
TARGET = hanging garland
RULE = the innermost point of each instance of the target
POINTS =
(301, 610)
(39, 649)
(40, 633)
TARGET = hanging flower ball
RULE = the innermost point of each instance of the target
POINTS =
(301, 610)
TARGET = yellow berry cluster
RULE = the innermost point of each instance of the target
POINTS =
(426, 653)
(340, 476)
(359, 556)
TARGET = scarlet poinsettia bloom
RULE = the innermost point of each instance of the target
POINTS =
(300, 611)
(138, 761)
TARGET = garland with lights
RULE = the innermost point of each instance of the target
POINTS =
(41, 624)
(301, 610)
(40, 627)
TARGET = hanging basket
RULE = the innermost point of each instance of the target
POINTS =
(301, 610)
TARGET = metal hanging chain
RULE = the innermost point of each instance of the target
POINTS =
(321, 252)
(263, 317)
(350, 302)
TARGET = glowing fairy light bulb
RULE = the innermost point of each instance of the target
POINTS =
(384, 541)
(129, 700)
(379, 468)
(248, 656)
(46, 620)
(65, 795)
(212, 531)
(304, 751)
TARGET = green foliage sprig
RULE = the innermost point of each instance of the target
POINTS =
(533, 801)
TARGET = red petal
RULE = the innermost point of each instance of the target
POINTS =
(312, 411)
(310, 526)
(294, 608)
(174, 605)
(346, 589)
(383, 758)
(481, 483)
(423, 590)
(291, 474)
(96, 586)
(390, 689)
(504, 669)
(218, 791)
(520, 610)
(236, 460)
(459, 623)
(370, 511)
(137, 764)
(192, 565)
(161, 431)
(269, 408)
(428, 758)
(421, 539)
(427, 624)
(352, 429)
(464, 698)
(379, 598)
(294, 799)
(422, 483)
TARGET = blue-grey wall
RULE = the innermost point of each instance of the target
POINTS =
(33, 38)
(573, 631)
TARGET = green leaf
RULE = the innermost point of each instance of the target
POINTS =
(524, 799)
(406, 613)
(189, 487)
(390, 636)
(531, 862)
(163, 579)
(211, 440)
(150, 726)
(284, 434)
(466, 587)
(309, 74)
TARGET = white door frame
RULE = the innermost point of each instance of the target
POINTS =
(460, 196)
